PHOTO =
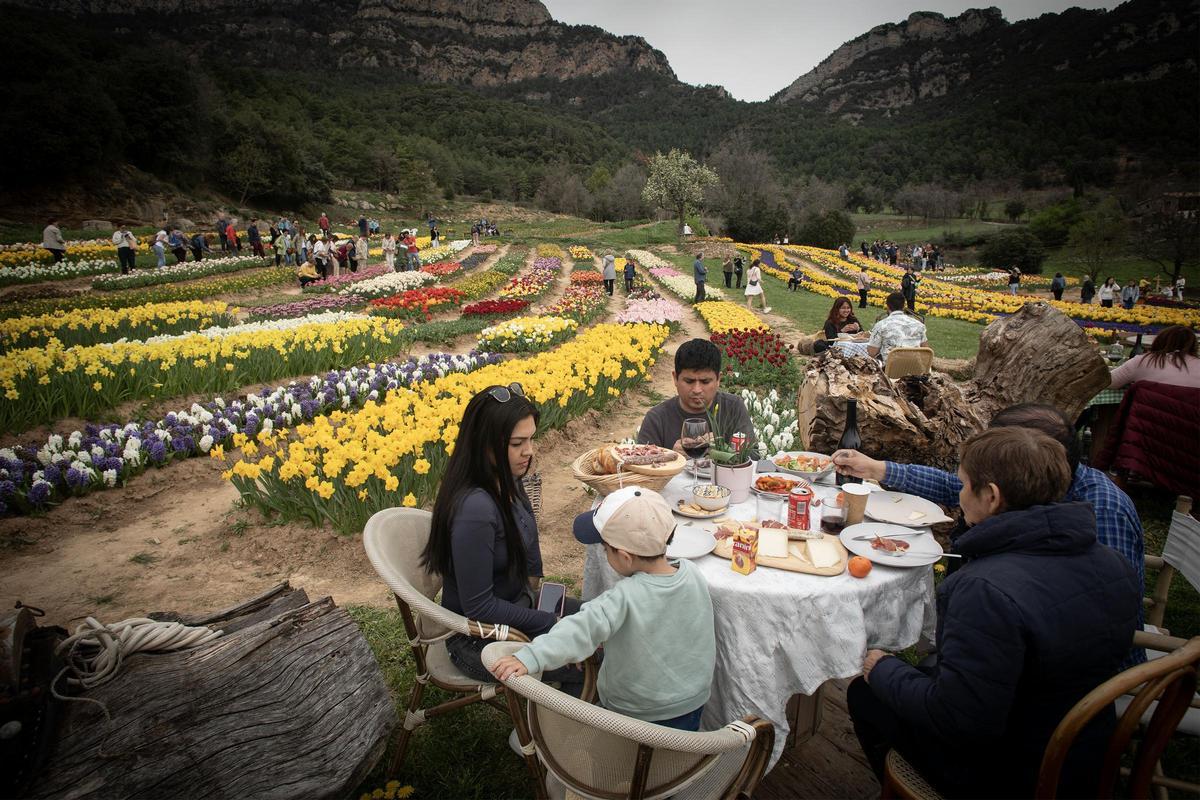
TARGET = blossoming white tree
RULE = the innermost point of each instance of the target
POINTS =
(677, 183)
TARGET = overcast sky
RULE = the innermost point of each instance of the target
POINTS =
(754, 48)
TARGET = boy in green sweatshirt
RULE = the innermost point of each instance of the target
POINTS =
(656, 625)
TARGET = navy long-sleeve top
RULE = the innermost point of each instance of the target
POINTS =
(479, 586)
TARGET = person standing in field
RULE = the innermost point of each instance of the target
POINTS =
(52, 240)
(389, 251)
(126, 246)
(754, 288)
(863, 283)
(700, 274)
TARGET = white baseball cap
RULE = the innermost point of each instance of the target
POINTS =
(633, 519)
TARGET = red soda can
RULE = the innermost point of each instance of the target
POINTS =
(799, 507)
(738, 441)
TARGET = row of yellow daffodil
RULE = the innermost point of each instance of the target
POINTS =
(56, 381)
(171, 292)
(93, 326)
(945, 299)
(722, 316)
(578, 252)
(346, 466)
(550, 251)
(526, 334)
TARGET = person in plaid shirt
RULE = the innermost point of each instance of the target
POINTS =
(1117, 521)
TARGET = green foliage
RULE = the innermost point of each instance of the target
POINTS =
(1018, 248)
(830, 229)
(756, 221)
(1053, 224)
(1098, 235)
(677, 183)
(1013, 209)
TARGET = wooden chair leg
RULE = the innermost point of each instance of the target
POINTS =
(414, 702)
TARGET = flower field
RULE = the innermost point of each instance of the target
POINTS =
(104, 456)
(335, 283)
(187, 271)
(495, 308)
(674, 281)
(581, 302)
(721, 316)
(57, 381)
(526, 334)
(586, 276)
(655, 312)
(343, 467)
(537, 281)
(416, 303)
(37, 272)
(440, 269)
(87, 327)
(579, 252)
(302, 308)
(386, 284)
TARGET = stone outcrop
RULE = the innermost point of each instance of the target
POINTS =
(473, 42)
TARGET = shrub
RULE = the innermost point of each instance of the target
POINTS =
(829, 229)
(1020, 248)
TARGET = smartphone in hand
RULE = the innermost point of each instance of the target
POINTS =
(552, 598)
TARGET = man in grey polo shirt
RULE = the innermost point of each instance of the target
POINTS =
(697, 383)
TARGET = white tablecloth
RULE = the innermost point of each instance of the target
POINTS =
(781, 633)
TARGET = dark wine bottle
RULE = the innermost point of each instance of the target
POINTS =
(850, 439)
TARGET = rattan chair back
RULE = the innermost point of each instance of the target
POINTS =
(597, 753)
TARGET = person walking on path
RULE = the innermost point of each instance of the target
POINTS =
(323, 224)
(630, 271)
(160, 249)
(863, 282)
(727, 268)
(389, 251)
(739, 269)
(610, 272)
(126, 246)
(435, 236)
(700, 274)
(232, 237)
(754, 288)
(256, 245)
(1014, 280)
(1110, 290)
(52, 240)
(222, 224)
(1058, 285)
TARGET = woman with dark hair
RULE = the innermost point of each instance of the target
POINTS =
(841, 319)
(484, 539)
(1172, 359)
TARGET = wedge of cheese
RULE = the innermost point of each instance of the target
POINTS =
(773, 543)
(822, 553)
(798, 550)
(916, 515)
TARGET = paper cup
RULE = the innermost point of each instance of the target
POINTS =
(856, 502)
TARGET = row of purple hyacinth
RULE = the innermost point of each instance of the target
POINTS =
(34, 477)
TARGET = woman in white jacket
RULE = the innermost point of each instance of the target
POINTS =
(1109, 291)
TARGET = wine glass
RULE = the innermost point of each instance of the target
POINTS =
(695, 439)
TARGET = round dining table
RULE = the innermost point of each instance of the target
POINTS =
(783, 633)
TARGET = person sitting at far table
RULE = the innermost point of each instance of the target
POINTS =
(697, 378)
(1038, 615)
(1172, 359)
(1117, 523)
(660, 614)
(898, 329)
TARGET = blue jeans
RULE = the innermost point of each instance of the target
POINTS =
(684, 722)
(414, 262)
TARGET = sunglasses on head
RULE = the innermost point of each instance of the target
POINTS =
(502, 394)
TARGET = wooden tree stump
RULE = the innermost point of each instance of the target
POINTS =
(289, 703)
(1037, 355)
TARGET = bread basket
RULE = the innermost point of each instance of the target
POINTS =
(584, 469)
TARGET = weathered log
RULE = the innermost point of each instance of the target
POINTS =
(290, 705)
(1037, 355)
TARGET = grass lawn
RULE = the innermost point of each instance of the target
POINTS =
(910, 230)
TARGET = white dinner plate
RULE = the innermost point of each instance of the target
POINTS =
(922, 550)
(812, 476)
(703, 515)
(898, 508)
(691, 542)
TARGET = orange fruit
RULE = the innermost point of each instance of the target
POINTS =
(859, 566)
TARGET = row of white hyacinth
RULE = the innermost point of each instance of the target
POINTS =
(775, 424)
(64, 270)
(388, 284)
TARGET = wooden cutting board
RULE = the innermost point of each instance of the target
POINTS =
(791, 563)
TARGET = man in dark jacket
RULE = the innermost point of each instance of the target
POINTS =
(1039, 615)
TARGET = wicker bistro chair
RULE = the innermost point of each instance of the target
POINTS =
(394, 539)
(582, 750)
(903, 361)
(1168, 682)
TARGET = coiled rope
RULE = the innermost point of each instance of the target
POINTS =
(95, 652)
